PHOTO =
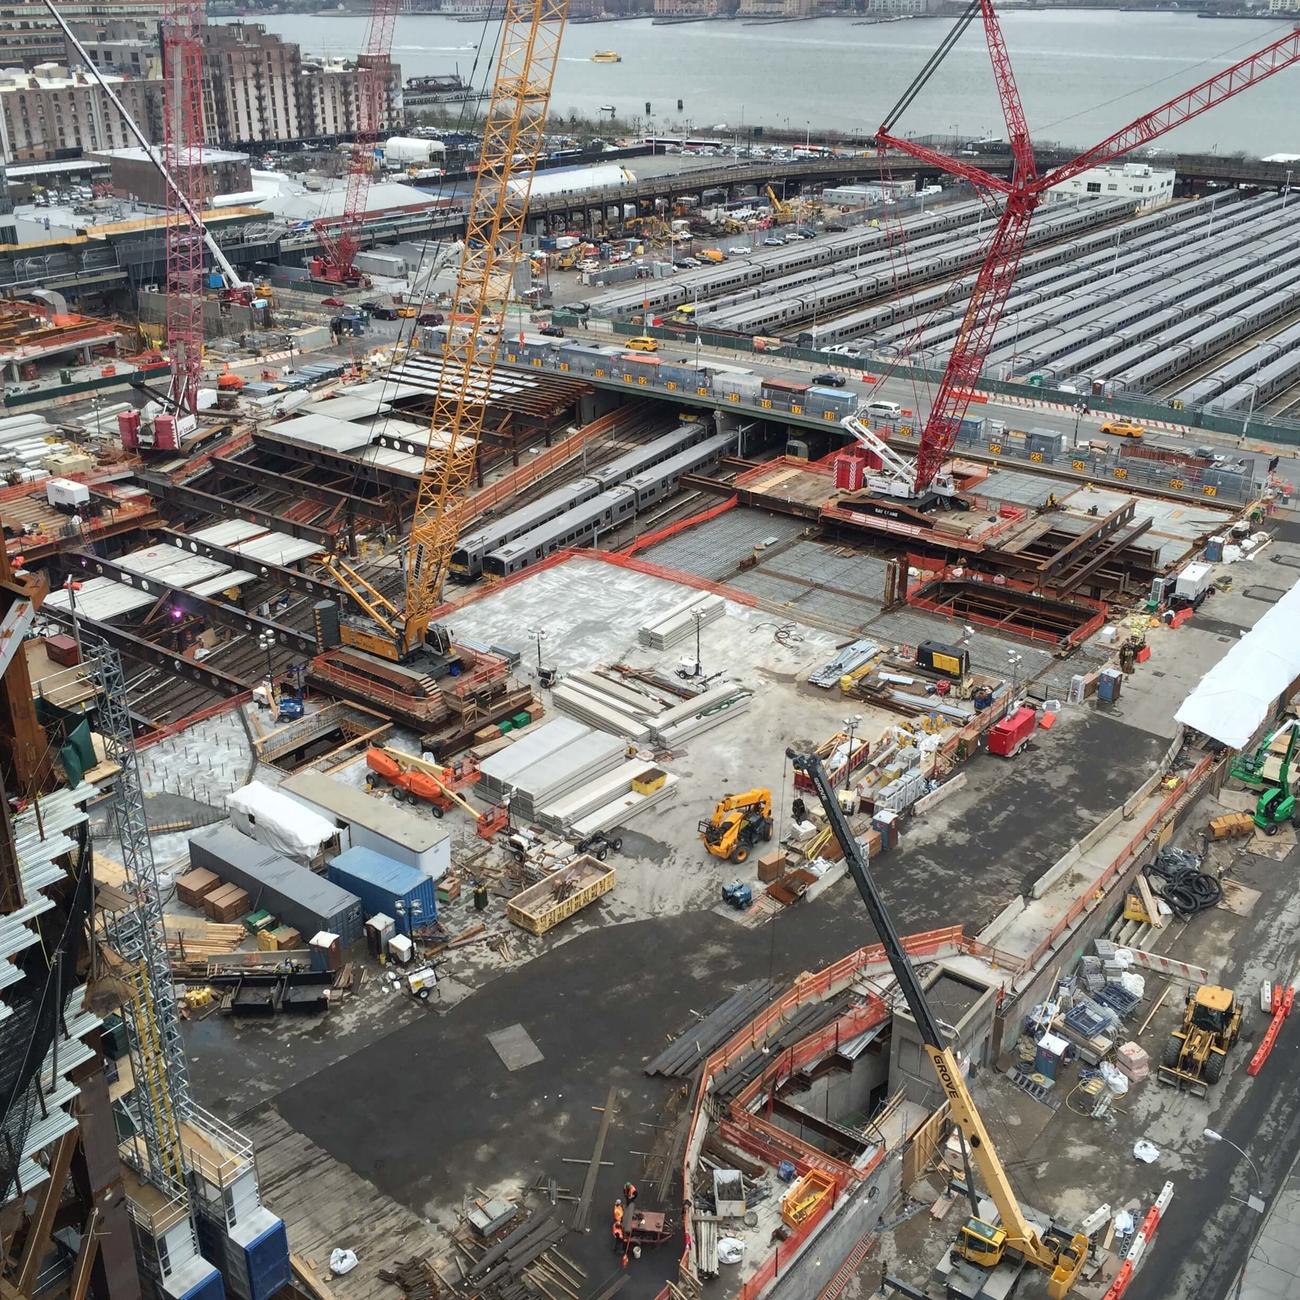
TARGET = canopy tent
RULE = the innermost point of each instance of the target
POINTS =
(1233, 700)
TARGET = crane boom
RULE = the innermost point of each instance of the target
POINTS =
(1063, 1264)
(1024, 191)
(512, 143)
(341, 239)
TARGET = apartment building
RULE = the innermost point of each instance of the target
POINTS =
(28, 35)
(330, 99)
(253, 82)
(52, 112)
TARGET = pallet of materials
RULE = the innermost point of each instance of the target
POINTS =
(195, 885)
(542, 906)
(226, 904)
(677, 623)
(1231, 826)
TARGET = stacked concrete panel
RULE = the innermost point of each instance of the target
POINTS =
(677, 623)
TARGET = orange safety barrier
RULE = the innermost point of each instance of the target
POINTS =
(671, 530)
(1281, 1008)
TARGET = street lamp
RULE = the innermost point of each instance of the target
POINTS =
(1253, 1200)
(1245, 424)
(850, 724)
(698, 616)
(1013, 658)
(266, 642)
(539, 635)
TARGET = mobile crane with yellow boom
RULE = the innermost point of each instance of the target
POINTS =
(1059, 1253)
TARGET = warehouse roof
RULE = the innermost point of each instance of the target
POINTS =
(1234, 699)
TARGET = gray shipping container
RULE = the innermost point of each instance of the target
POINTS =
(291, 893)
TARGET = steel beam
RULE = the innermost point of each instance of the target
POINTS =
(166, 493)
(135, 647)
(320, 588)
(335, 462)
(217, 611)
(1099, 531)
(327, 496)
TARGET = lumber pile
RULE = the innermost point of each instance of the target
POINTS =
(415, 1277)
(189, 938)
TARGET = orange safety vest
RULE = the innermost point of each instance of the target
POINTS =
(618, 1216)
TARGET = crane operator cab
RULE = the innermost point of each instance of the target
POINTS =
(981, 1243)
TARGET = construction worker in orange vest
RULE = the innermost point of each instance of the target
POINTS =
(619, 1240)
(629, 1193)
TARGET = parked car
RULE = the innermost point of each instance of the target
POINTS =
(370, 306)
(332, 302)
(552, 331)
(833, 380)
(430, 318)
(384, 313)
(1123, 429)
(408, 313)
(773, 242)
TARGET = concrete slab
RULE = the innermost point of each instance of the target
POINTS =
(515, 1047)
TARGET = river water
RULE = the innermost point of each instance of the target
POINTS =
(1082, 73)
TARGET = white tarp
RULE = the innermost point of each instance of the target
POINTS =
(279, 822)
(1234, 698)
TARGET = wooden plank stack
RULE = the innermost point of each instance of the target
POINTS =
(226, 904)
(194, 886)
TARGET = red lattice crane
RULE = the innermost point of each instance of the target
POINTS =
(1023, 190)
(182, 50)
(341, 237)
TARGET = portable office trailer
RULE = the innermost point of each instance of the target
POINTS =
(399, 833)
(385, 886)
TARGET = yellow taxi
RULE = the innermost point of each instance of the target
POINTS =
(642, 343)
(1123, 429)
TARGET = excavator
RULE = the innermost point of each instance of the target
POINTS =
(980, 1244)
(738, 823)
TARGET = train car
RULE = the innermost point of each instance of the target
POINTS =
(466, 564)
(580, 526)
(655, 484)
(649, 454)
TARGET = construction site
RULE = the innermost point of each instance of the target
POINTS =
(624, 798)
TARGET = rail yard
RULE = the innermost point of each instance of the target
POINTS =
(673, 739)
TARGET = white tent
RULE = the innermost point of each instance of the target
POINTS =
(1233, 700)
(279, 822)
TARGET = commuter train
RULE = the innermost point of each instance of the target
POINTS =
(588, 521)
(467, 559)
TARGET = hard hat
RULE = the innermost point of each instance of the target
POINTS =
(618, 1200)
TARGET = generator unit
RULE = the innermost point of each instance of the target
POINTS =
(950, 660)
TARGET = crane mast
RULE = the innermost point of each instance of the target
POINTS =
(512, 145)
(1021, 193)
(341, 239)
(182, 53)
(1063, 1262)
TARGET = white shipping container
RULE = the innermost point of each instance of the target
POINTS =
(405, 149)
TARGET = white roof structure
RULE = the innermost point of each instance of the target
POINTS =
(1233, 700)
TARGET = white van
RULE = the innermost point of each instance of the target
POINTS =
(884, 410)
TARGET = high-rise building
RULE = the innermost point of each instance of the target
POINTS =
(253, 80)
(52, 112)
(28, 35)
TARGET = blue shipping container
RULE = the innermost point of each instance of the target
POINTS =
(381, 883)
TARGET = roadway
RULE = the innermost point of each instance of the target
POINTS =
(915, 397)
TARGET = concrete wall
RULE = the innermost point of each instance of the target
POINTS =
(839, 1094)
(975, 1041)
(229, 322)
(858, 1214)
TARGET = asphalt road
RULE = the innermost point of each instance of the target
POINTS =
(1207, 1232)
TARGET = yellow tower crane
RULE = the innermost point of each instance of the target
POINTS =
(512, 146)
